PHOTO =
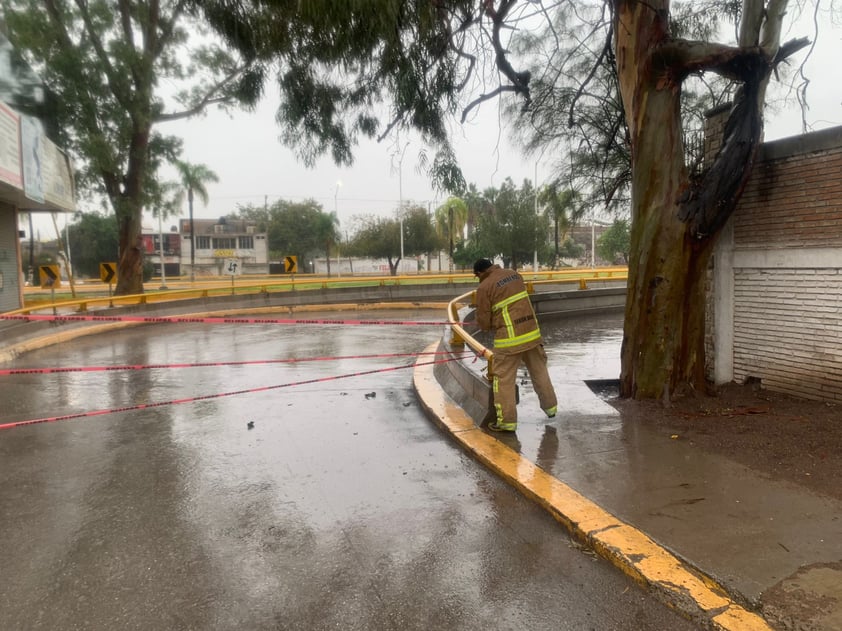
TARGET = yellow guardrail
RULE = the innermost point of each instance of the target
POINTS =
(203, 288)
(459, 336)
(93, 297)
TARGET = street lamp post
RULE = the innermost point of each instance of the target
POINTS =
(336, 214)
(161, 250)
(535, 257)
(400, 192)
(192, 235)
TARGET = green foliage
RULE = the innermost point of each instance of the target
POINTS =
(340, 59)
(113, 66)
(148, 270)
(194, 178)
(380, 237)
(299, 229)
(466, 252)
(424, 59)
(451, 218)
(571, 250)
(615, 243)
(419, 234)
(577, 111)
(510, 228)
(564, 208)
(327, 233)
(93, 240)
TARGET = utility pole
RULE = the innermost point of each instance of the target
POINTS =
(535, 257)
(192, 235)
(400, 189)
(336, 214)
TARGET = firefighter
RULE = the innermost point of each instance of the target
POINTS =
(503, 307)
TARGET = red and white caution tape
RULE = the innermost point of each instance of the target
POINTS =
(210, 320)
(256, 362)
(144, 406)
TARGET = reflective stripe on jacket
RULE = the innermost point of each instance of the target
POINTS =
(503, 306)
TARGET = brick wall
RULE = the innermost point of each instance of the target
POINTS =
(794, 201)
(777, 302)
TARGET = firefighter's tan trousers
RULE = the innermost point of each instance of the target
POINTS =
(506, 363)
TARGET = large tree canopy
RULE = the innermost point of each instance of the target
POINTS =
(299, 229)
(616, 72)
(380, 237)
(119, 68)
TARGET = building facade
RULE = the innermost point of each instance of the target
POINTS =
(171, 251)
(775, 309)
(35, 175)
(220, 240)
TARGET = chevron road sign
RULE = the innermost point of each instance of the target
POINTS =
(107, 272)
(50, 278)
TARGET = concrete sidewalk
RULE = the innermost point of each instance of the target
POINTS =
(710, 536)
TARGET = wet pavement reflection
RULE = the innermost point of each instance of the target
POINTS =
(334, 504)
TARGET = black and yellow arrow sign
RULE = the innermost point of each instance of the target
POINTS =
(50, 278)
(107, 272)
(291, 264)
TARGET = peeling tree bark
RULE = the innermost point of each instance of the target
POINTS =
(675, 222)
(128, 205)
(130, 261)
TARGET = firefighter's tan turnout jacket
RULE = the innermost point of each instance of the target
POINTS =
(503, 306)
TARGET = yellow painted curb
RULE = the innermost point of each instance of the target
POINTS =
(632, 551)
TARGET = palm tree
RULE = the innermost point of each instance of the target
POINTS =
(451, 218)
(327, 232)
(564, 207)
(193, 179)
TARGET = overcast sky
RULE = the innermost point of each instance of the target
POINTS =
(253, 166)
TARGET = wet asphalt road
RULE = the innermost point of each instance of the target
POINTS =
(343, 507)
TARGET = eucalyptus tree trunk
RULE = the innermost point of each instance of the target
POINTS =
(130, 261)
(127, 202)
(675, 222)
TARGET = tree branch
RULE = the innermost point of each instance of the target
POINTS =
(487, 97)
(210, 98)
(114, 80)
(602, 54)
(679, 58)
(519, 80)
